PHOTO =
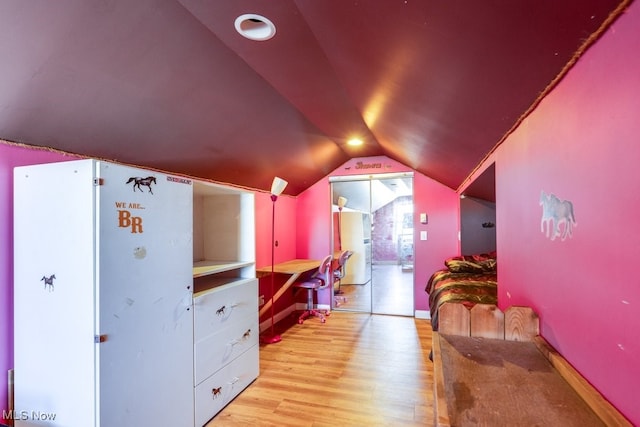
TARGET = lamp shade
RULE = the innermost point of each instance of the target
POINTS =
(278, 185)
(342, 201)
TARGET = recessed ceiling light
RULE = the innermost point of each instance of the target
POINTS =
(255, 27)
(354, 142)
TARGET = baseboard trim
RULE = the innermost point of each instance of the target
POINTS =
(277, 317)
(423, 314)
(300, 306)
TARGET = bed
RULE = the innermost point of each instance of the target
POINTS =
(467, 279)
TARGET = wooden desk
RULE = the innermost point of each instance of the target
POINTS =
(295, 268)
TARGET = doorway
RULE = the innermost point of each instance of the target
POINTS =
(373, 219)
(478, 214)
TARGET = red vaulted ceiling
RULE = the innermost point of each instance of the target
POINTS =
(171, 85)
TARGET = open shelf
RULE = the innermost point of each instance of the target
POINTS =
(207, 267)
(223, 235)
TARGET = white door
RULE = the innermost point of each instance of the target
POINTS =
(145, 289)
(54, 295)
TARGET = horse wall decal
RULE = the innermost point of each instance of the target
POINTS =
(556, 212)
(215, 392)
(138, 182)
(48, 281)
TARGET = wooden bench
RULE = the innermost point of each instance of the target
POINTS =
(493, 368)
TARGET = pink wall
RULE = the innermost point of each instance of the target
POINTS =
(313, 225)
(285, 233)
(437, 200)
(581, 144)
(442, 206)
(11, 156)
(313, 221)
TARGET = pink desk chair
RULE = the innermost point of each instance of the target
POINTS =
(319, 280)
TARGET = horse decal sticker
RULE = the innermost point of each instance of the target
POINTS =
(48, 282)
(215, 392)
(558, 218)
(138, 182)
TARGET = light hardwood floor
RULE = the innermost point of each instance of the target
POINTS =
(356, 369)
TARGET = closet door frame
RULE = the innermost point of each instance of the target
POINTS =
(369, 179)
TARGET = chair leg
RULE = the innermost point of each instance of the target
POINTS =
(310, 311)
(338, 295)
(338, 298)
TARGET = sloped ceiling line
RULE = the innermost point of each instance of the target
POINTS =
(488, 193)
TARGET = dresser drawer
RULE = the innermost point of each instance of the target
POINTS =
(218, 349)
(219, 389)
(221, 307)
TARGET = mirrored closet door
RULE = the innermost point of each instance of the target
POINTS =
(373, 221)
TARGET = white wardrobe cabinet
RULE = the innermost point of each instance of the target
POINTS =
(104, 295)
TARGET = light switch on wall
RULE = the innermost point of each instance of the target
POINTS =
(423, 235)
(423, 218)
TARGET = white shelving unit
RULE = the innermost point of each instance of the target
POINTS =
(226, 351)
(223, 230)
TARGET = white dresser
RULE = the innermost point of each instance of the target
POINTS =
(226, 358)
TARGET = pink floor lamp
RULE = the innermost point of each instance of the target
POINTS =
(277, 187)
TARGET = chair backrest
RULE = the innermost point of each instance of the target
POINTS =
(340, 271)
(324, 271)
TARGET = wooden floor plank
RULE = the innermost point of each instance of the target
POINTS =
(355, 370)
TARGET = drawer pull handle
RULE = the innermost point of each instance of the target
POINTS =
(234, 380)
(224, 310)
(245, 337)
